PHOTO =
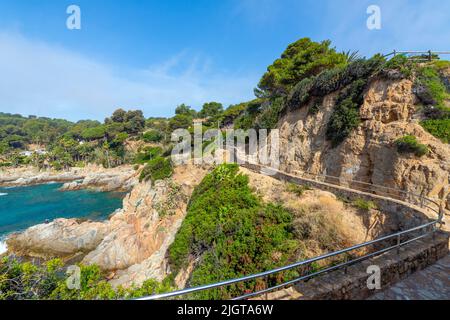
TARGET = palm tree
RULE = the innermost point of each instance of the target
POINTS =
(351, 56)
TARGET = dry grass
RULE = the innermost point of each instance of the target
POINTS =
(322, 222)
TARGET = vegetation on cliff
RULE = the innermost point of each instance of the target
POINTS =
(49, 281)
(409, 144)
(230, 232)
(304, 74)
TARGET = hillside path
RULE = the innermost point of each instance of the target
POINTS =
(432, 283)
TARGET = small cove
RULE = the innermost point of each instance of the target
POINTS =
(23, 207)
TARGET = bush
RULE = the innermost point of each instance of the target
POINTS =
(315, 107)
(402, 64)
(147, 154)
(6, 164)
(152, 136)
(247, 119)
(409, 144)
(233, 112)
(345, 116)
(230, 233)
(328, 81)
(441, 64)
(440, 128)
(300, 94)
(296, 189)
(429, 87)
(157, 169)
(270, 114)
(302, 59)
(24, 280)
(364, 204)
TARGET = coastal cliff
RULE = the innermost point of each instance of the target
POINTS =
(94, 177)
(132, 244)
(390, 111)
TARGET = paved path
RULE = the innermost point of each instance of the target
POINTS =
(432, 283)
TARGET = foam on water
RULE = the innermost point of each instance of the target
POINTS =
(3, 194)
(3, 247)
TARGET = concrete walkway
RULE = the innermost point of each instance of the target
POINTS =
(432, 283)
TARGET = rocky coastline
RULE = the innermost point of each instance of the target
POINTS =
(94, 177)
(131, 245)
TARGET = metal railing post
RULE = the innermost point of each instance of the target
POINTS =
(348, 261)
(267, 287)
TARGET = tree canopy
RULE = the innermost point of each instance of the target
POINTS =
(302, 59)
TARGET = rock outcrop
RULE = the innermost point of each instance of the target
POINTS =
(123, 178)
(30, 176)
(60, 238)
(96, 177)
(132, 244)
(369, 153)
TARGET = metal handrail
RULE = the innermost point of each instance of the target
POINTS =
(311, 260)
(390, 195)
(430, 54)
(299, 264)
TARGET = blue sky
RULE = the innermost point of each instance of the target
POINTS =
(153, 55)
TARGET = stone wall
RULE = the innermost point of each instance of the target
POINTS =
(352, 284)
(395, 265)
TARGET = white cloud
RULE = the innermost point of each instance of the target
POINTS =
(43, 79)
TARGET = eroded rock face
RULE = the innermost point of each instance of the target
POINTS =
(92, 176)
(132, 243)
(60, 238)
(30, 176)
(369, 153)
(123, 178)
(141, 227)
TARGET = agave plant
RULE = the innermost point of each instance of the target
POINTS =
(351, 56)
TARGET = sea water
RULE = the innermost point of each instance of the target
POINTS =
(23, 207)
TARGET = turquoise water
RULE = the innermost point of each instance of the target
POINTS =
(23, 207)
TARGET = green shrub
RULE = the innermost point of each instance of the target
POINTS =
(440, 128)
(230, 233)
(247, 118)
(232, 112)
(429, 87)
(409, 144)
(147, 154)
(296, 189)
(5, 164)
(328, 81)
(26, 281)
(401, 63)
(441, 64)
(302, 59)
(345, 117)
(364, 204)
(157, 169)
(314, 108)
(152, 136)
(364, 68)
(300, 94)
(268, 118)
